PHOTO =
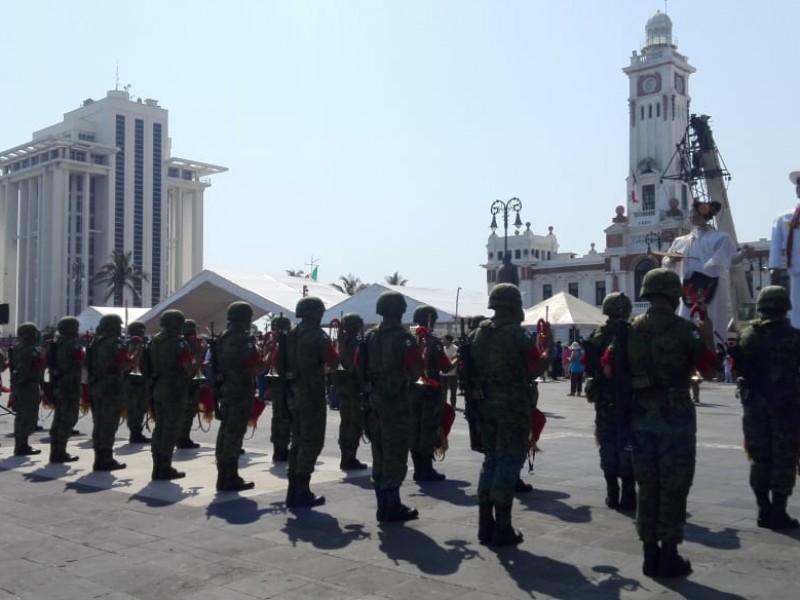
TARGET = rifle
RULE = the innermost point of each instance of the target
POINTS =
(621, 389)
(366, 384)
(216, 374)
(471, 393)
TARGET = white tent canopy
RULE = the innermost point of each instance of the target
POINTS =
(450, 304)
(205, 298)
(90, 316)
(565, 309)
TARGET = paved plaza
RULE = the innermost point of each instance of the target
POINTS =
(68, 533)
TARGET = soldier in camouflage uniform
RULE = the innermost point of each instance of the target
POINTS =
(280, 425)
(663, 351)
(67, 357)
(426, 399)
(308, 351)
(505, 357)
(108, 359)
(615, 452)
(238, 363)
(767, 360)
(136, 392)
(351, 424)
(27, 372)
(197, 349)
(388, 362)
(172, 365)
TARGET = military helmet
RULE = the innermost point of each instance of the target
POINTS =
(27, 330)
(109, 325)
(280, 323)
(68, 326)
(240, 312)
(307, 306)
(390, 303)
(773, 298)
(425, 314)
(136, 328)
(189, 327)
(505, 295)
(352, 322)
(172, 319)
(617, 304)
(661, 281)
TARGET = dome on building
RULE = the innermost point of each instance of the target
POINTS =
(659, 30)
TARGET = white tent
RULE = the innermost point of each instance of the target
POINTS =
(89, 317)
(205, 298)
(564, 309)
(450, 304)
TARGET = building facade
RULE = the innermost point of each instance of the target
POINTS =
(657, 200)
(102, 180)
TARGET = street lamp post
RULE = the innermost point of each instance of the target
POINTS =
(652, 237)
(507, 272)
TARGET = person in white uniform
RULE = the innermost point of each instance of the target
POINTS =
(784, 251)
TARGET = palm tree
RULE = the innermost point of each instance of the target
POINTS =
(396, 279)
(119, 273)
(297, 273)
(350, 284)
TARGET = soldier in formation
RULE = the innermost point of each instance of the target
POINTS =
(172, 365)
(136, 390)
(280, 424)
(309, 350)
(505, 357)
(611, 398)
(351, 424)
(767, 358)
(67, 357)
(197, 349)
(27, 374)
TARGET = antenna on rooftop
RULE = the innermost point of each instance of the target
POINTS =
(116, 78)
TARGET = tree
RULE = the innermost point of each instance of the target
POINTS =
(396, 279)
(350, 284)
(119, 273)
(297, 273)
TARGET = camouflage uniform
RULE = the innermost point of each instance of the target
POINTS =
(171, 361)
(426, 400)
(388, 362)
(504, 356)
(239, 360)
(65, 376)
(27, 372)
(189, 334)
(767, 358)
(663, 351)
(308, 350)
(136, 392)
(108, 360)
(351, 424)
(615, 452)
(281, 424)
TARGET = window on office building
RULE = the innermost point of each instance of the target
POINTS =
(547, 291)
(572, 288)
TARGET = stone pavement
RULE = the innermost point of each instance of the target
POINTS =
(68, 533)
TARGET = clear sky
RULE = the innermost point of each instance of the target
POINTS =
(374, 135)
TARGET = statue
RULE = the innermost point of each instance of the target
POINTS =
(674, 212)
(620, 216)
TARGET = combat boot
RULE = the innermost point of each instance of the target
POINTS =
(104, 461)
(187, 444)
(670, 563)
(612, 491)
(380, 497)
(303, 497)
(137, 437)
(395, 511)
(233, 482)
(58, 453)
(521, 487)
(779, 519)
(764, 509)
(485, 522)
(23, 448)
(165, 470)
(627, 500)
(424, 471)
(650, 565)
(279, 454)
(504, 534)
(222, 475)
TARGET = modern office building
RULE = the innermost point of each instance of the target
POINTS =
(102, 180)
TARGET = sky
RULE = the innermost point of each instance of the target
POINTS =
(373, 136)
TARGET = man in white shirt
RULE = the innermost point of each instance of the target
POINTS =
(784, 251)
(449, 379)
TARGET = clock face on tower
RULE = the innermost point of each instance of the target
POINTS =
(649, 84)
(680, 84)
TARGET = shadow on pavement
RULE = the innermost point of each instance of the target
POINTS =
(158, 494)
(727, 539)
(96, 482)
(322, 531)
(449, 490)
(403, 544)
(541, 575)
(241, 511)
(686, 588)
(549, 502)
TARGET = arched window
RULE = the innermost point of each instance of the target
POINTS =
(644, 266)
